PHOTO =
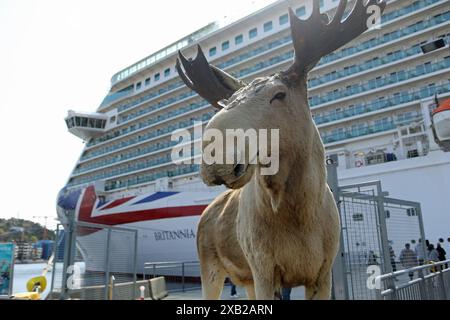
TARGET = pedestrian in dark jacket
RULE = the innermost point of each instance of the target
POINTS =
(441, 254)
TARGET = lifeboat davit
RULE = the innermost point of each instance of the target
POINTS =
(441, 124)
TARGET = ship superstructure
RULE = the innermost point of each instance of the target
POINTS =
(371, 101)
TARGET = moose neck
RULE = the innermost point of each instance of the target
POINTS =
(297, 189)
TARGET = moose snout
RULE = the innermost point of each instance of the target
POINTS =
(218, 181)
(232, 176)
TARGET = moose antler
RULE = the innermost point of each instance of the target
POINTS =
(209, 82)
(316, 37)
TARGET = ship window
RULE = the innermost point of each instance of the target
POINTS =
(431, 46)
(167, 72)
(157, 76)
(300, 11)
(252, 33)
(225, 45)
(358, 217)
(212, 51)
(138, 85)
(147, 81)
(268, 26)
(238, 39)
(100, 124)
(412, 154)
(283, 19)
(411, 212)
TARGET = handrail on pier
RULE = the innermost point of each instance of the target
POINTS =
(433, 283)
(169, 264)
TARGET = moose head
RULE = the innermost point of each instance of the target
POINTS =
(278, 101)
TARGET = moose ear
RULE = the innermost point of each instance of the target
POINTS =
(208, 81)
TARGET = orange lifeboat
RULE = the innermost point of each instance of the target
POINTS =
(441, 124)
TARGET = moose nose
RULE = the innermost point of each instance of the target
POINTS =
(218, 180)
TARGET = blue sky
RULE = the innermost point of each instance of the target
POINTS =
(58, 55)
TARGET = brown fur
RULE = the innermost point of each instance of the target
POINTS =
(271, 231)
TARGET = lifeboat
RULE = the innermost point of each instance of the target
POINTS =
(441, 124)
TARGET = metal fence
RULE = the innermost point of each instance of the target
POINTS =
(180, 275)
(432, 283)
(99, 262)
(375, 230)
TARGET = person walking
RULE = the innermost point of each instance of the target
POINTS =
(441, 242)
(233, 292)
(420, 252)
(433, 255)
(286, 293)
(372, 258)
(392, 256)
(441, 253)
(408, 259)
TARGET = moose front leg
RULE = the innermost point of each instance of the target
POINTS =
(264, 284)
(321, 290)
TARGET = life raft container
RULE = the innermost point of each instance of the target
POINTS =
(441, 124)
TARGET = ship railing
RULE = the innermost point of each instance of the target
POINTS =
(182, 280)
(432, 283)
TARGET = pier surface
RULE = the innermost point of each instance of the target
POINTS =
(296, 294)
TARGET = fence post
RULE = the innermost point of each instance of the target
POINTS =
(391, 285)
(422, 288)
(182, 276)
(135, 264)
(422, 231)
(111, 288)
(69, 250)
(442, 283)
(55, 259)
(386, 266)
(339, 276)
(108, 240)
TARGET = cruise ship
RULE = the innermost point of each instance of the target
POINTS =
(371, 101)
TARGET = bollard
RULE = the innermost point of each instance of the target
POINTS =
(142, 296)
(111, 288)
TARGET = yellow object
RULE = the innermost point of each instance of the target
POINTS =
(432, 269)
(28, 296)
(37, 283)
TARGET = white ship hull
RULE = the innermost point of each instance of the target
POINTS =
(165, 225)
(168, 228)
(422, 179)
(158, 241)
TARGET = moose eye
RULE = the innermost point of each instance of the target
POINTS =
(279, 96)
